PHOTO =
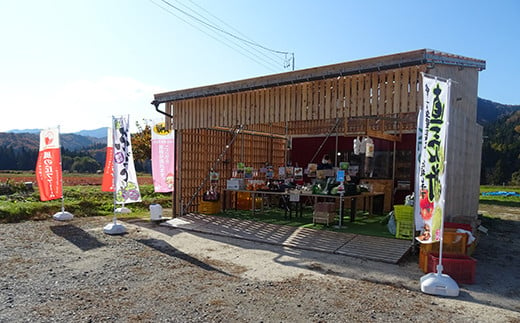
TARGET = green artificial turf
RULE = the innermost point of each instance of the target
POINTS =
(375, 225)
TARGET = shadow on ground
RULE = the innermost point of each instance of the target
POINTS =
(77, 236)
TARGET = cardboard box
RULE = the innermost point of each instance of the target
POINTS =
(236, 184)
(326, 207)
(323, 217)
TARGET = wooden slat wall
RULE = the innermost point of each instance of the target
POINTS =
(373, 94)
(464, 156)
(465, 144)
(464, 89)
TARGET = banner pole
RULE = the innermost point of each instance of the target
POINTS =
(125, 185)
(114, 228)
(437, 283)
(62, 216)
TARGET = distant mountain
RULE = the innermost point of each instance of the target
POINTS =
(72, 141)
(97, 133)
(31, 141)
(489, 111)
(24, 131)
(22, 140)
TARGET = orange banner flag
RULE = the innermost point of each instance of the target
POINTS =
(48, 165)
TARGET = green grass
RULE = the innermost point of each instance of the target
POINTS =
(364, 224)
(79, 200)
(91, 201)
(505, 201)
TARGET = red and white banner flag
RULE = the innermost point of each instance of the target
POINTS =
(125, 177)
(107, 184)
(48, 166)
(432, 158)
(163, 156)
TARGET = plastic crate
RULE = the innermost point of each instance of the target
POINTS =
(450, 226)
(453, 243)
(404, 221)
(459, 267)
(403, 213)
(404, 229)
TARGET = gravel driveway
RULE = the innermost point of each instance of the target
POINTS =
(73, 272)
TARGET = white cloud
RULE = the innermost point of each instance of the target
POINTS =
(77, 105)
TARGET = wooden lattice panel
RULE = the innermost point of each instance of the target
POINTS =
(200, 148)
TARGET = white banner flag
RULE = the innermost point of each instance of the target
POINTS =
(432, 172)
(125, 178)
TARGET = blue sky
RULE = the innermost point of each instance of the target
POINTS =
(75, 63)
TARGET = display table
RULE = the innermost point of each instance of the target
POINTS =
(254, 194)
(367, 198)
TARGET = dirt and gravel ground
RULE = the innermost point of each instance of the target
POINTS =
(72, 272)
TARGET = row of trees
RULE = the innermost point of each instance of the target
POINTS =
(90, 160)
(501, 151)
(25, 160)
(77, 162)
(500, 154)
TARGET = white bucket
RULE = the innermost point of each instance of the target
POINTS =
(156, 211)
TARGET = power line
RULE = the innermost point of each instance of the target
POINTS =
(223, 31)
(218, 40)
(275, 58)
(258, 51)
(218, 30)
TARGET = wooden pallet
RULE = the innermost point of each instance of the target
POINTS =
(376, 248)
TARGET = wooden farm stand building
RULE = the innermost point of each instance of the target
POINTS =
(298, 116)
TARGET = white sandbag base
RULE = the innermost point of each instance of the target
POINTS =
(123, 210)
(63, 216)
(114, 228)
(439, 284)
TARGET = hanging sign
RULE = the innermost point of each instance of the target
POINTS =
(48, 165)
(432, 162)
(163, 156)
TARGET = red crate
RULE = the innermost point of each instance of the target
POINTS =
(459, 267)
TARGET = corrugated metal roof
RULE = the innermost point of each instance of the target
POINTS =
(417, 57)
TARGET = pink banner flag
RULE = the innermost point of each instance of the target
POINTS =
(48, 165)
(108, 173)
(163, 156)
